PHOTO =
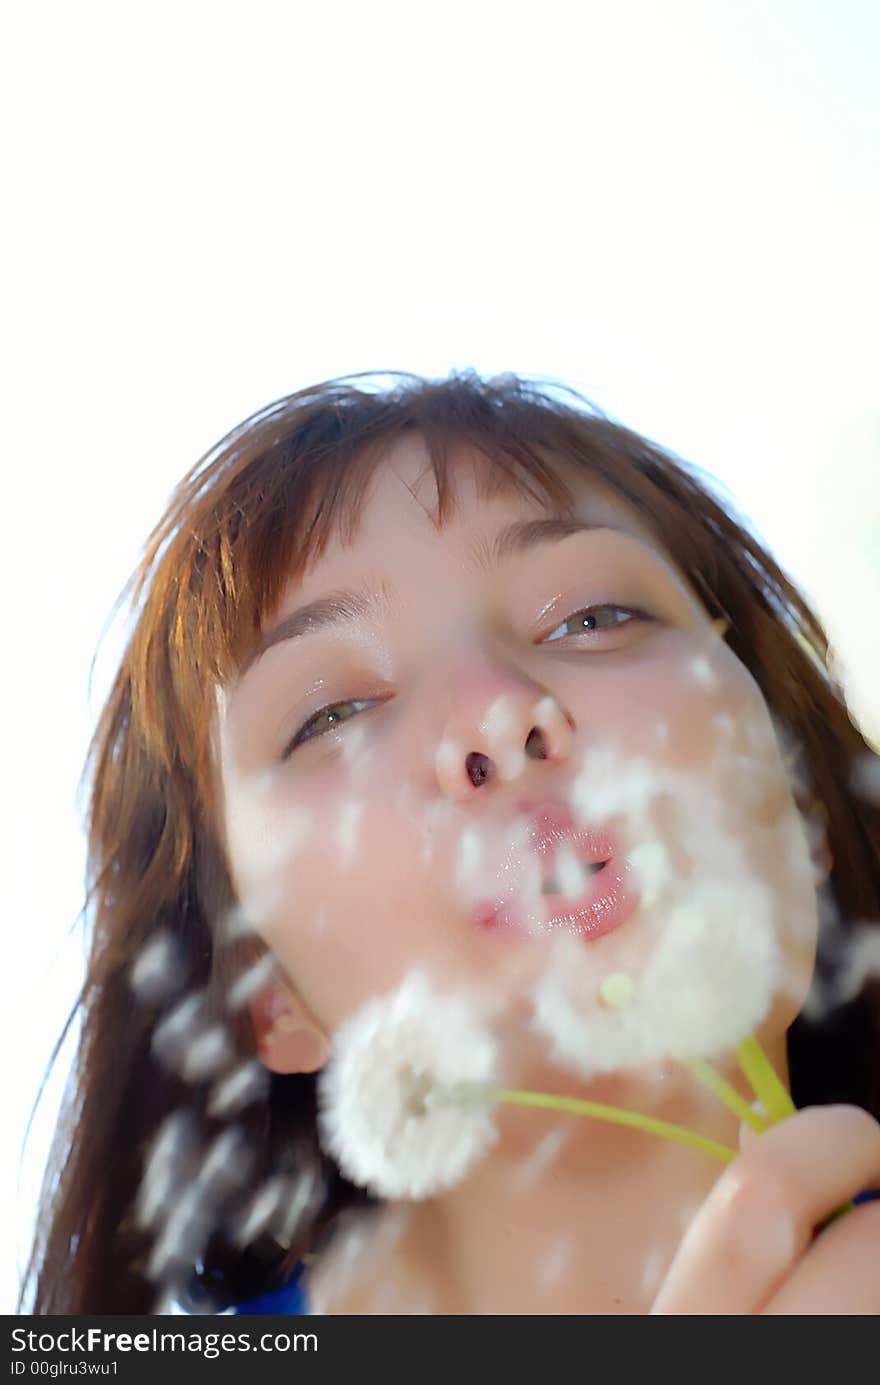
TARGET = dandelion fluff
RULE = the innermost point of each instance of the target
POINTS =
(170, 1155)
(380, 1116)
(349, 828)
(159, 970)
(258, 1211)
(704, 968)
(251, 981)
(210, 1052)
(246, 1083)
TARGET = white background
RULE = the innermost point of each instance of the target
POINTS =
(671, 206)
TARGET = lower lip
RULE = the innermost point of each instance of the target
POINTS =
(607, 902)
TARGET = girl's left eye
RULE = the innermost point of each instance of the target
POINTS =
(588, 614)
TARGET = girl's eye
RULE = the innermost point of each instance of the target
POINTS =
(588, 623)
(305, 733)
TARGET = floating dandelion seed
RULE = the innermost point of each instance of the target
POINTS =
(226, 1165)
(655, 1266)
(159, 972)
(551, 1266)
(469, 859)
(183, 1237)
(541, 1156)
(190, 1043)
(303, 1196)
(349, 827)
(861, 960)
(179, 1028)
(382, 1113)
(357, 755)
(258, 1211)
(251, 981)
(245, 1084)
(234, 924)
(703, 673)
(207, 1055)
(448, 757)
(166, 1167)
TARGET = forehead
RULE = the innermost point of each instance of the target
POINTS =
(400, 505)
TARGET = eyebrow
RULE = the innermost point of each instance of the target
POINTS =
(348, 604)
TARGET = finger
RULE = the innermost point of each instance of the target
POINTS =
(840, 1273)
(760, 1216)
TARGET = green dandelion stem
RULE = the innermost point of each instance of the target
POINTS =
(731, 1098)
(615, 1114)
(764, 1081)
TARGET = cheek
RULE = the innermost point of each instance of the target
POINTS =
(721, 731)
(346, 907)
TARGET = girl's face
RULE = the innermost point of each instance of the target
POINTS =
(346, 851)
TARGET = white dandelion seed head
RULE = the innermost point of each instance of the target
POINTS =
(379, 1114)
(700, 973)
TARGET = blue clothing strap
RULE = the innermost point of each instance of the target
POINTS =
(289, 1300)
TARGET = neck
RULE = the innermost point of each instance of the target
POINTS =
(567, 1215)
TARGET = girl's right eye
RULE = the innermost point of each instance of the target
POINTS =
(304, 733)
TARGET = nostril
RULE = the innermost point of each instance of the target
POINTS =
(536, 739)
(477, 767)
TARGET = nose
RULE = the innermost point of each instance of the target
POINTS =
(501, 724)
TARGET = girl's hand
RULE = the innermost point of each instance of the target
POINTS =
(753, 1247)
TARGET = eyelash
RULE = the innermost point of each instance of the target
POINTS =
(298, 738)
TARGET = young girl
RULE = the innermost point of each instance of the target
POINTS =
(385, 638)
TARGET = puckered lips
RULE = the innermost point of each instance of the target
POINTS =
(585, 886)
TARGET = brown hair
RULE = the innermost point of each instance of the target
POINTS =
(252, 513)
